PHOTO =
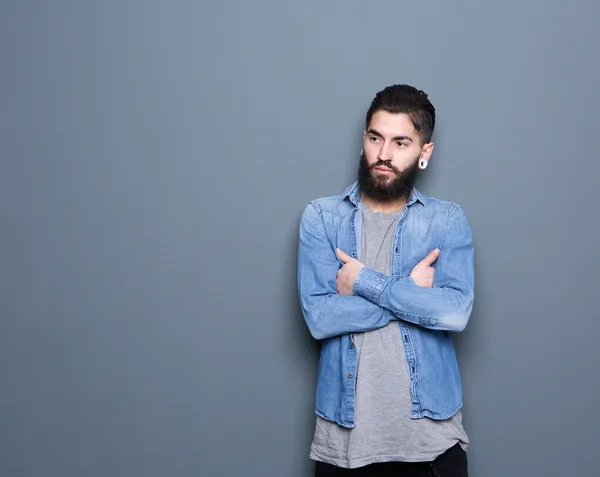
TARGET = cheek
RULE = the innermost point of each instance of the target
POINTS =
(405, 158)
(370, 153)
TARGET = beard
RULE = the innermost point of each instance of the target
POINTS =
(384, 188)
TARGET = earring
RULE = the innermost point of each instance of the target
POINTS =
(422, 164)
(362, 152)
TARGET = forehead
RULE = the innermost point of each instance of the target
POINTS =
(392, 125)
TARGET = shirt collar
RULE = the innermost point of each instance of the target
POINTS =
(352, 193)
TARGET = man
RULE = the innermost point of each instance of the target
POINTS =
(385, 274)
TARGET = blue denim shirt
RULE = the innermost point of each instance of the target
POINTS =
(426, 316)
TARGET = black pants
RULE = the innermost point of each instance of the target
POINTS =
(452, 463)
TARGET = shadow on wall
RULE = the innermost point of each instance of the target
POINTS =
(302, 344)
(469, 345)
(303, 351)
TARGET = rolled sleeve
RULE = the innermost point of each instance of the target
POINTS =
(369, 284)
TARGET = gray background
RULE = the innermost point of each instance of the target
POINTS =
(155, 158)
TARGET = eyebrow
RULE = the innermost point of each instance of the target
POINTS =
(397, 138)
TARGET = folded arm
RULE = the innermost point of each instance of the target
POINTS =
(446, 306)
(326, 312)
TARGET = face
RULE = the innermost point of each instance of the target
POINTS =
(392, 149)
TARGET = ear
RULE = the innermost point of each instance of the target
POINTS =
(426, 151)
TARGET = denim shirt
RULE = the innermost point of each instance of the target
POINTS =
(426, 316)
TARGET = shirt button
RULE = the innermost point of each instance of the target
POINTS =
(352, 346)
(349, 375)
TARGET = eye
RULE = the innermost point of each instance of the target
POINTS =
(401, 144)
(373, 138)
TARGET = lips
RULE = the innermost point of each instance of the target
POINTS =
(383, 169)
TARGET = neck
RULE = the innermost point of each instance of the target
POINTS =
(386, 207)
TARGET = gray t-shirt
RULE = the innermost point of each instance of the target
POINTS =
(383, 430)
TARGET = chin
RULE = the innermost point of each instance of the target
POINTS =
(381, 177)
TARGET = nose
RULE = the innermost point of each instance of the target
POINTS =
(384, 153)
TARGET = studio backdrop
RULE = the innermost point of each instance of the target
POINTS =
(155, 158)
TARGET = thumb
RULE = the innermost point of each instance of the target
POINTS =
(343, 256)
(432, 257)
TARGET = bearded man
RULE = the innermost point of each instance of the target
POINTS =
(385, 277)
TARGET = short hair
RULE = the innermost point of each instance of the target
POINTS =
(405, 99)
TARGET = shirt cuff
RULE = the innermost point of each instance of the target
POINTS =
(369, 284)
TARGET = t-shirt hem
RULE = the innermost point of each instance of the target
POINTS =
(367, 461)
(376, 459)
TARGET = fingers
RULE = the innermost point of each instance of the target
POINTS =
(343, 256)
(432, 257)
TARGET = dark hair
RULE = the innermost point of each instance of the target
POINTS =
(405, 99)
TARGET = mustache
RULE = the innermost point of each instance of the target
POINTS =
(387, 164)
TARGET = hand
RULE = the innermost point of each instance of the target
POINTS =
(423, 272)
(347, 274)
